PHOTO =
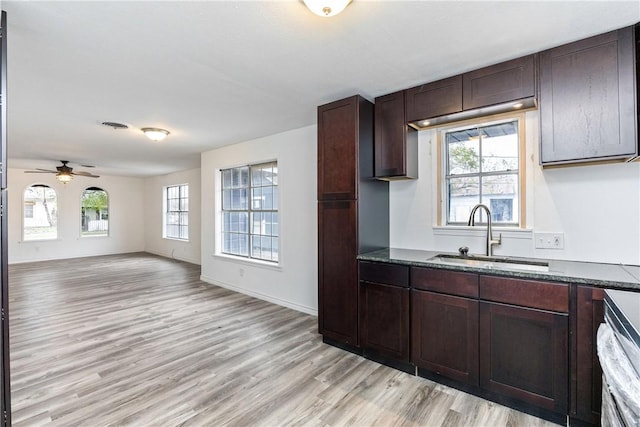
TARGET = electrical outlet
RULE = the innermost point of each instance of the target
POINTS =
(549, 240)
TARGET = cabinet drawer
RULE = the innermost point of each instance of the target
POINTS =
(527, 293)
(390, 274)
(448, 282)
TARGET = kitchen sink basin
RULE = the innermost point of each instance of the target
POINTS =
(496, 263)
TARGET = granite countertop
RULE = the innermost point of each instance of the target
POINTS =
(610, 276)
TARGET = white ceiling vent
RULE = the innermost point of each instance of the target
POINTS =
(115, 125)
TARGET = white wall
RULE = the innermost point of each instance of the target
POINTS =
(126, 218)
(153, 203)
(294, 282)
(597, 208)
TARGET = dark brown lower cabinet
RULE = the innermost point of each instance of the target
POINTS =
(384, 320)
(529, 344)
(524, 354)
(587, 373)
(445, 335)
(337, 271)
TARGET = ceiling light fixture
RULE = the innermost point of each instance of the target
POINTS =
(326, 8)
(155, 134)
(64, 177)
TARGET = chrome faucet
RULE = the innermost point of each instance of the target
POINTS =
(472, 222)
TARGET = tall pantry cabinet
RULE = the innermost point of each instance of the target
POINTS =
(353, 213)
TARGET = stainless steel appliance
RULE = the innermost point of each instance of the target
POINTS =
(619, 354)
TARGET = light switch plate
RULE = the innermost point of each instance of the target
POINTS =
(549, 240)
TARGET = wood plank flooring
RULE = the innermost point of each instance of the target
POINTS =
(139, 340)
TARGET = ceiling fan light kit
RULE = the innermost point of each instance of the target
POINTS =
(155, 134)
(64, 173)
(64, 177)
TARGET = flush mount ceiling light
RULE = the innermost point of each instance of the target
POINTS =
(326, 8)
(155, 134)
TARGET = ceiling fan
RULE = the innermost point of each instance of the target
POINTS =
(64, 173)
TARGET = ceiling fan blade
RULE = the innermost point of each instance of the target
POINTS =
(87, 174)
(45, 170)
(40, 171)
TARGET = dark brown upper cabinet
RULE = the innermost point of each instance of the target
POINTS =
(499, 88)
(434, 99)
(338, 136)
(587, 100)
(508, 81)
(396, 144)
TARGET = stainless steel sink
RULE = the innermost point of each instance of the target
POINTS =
(497, 263)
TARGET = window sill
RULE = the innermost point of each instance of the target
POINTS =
(175, 239)
(40, 240)
(479, 230)
(250, 261)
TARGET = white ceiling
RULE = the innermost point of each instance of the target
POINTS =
(220, 72)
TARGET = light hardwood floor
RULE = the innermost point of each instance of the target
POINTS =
(139, 340)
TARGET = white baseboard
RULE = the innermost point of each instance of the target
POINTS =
(269, 298)
(61, 258)
(173, 256)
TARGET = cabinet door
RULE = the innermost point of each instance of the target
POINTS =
(434, 99)
(587, 399)
(500, 83)
(337, 271)
(337, 149)
(444, 336)
(396, 145)
(587, 99)
(524, 354)
(384, 320)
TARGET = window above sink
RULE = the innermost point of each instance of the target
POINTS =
(482, 162)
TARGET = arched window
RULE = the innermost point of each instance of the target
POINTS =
(95, 212)
(40, 213)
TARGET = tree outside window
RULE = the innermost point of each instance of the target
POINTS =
(40, 213)
(482, 166)
(95, 212)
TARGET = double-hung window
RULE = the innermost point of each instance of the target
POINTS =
(482, 165)
(250, 221)
(176, 214)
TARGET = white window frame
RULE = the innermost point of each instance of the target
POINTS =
(220, 218)
(34, 213)
(165, 211)
(443, 214)
(108, 232)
